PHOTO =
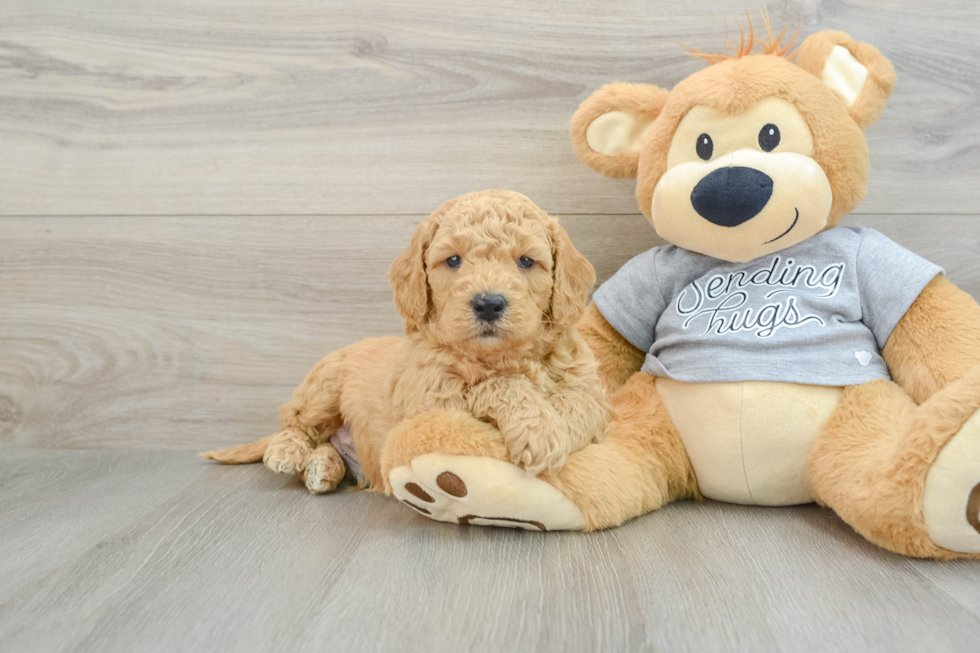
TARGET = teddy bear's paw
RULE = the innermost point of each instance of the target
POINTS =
(951, 504)
(483, 491)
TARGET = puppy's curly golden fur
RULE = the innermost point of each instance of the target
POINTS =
(527, 371)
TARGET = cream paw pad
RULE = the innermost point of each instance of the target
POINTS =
(951, 506)
(482, 491)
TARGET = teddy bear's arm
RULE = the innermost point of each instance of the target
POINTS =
(618, 359)
(936, 342)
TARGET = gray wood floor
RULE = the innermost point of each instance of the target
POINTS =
(200, 199)
(159, 551)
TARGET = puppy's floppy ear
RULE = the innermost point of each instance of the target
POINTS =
(408, 278)
(857, 73)
(608, 128)
(574, 277)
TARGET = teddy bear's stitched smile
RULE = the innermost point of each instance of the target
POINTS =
(795, 220)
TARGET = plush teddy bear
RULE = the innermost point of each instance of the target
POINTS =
(766, 355)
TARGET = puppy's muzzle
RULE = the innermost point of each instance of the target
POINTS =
(732, 195)
(488, 307)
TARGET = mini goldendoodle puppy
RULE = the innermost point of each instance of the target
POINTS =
(490, 288)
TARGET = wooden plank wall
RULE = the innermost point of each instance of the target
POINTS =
(199, 199)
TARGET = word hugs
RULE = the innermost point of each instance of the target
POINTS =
(761, 301)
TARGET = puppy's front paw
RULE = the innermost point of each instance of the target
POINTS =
(545, 459)
(288, 452)
(539, 448)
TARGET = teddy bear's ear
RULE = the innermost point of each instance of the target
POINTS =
(608, 128)
(857, 72)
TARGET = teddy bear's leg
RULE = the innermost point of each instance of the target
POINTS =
(905, 476)
(449, 466)
(455, 464)
(639, 466)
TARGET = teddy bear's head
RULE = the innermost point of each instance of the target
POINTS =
(750, 155)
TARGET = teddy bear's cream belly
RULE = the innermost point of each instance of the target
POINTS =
(749, 441)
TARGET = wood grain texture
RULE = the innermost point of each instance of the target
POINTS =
(387, 107)
(187, 332)
(199, 199)
(182, 555)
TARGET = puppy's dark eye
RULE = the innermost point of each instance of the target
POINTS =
(454, 261)
(769, 137)
(705, 146)
(525, 262)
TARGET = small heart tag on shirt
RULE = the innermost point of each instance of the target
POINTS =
(864, 357)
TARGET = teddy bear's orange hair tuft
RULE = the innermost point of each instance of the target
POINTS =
(774, 44)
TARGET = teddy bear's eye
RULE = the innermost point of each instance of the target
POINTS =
(705, 146)
(769, 137)
(454, 261)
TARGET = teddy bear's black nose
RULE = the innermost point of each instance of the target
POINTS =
(730, 196)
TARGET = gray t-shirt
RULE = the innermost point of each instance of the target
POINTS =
(816, 313)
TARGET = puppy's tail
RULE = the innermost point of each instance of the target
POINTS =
(240, 455)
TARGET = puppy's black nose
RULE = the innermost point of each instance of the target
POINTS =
(730, 196)
(488, 308)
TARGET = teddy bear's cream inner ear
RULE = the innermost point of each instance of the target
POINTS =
(616, 133)
(844, 74)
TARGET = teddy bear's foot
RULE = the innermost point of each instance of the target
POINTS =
(951, 505)
(484, 491)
